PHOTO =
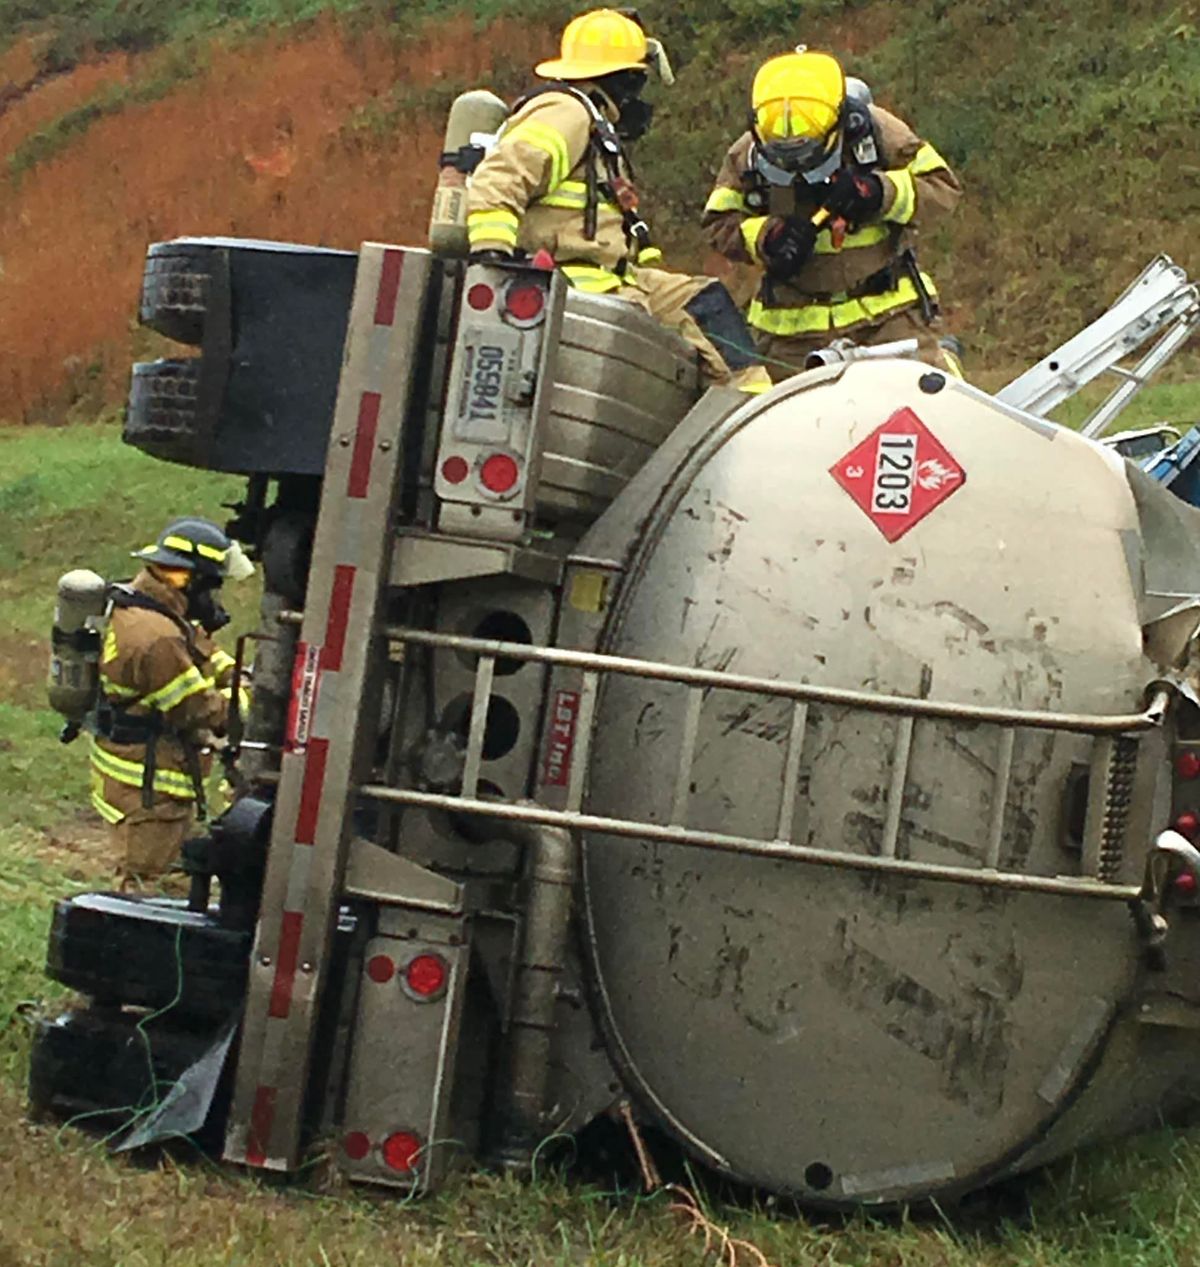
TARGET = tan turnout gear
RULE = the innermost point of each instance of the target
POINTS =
(531, 193)
(151, 669)
(858, 287)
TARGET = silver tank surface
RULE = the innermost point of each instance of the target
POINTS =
(839, 1035)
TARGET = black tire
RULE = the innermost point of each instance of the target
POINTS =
(100, 1068)
(286, 554)
(148, 952)
(175, 292)
(164, 408)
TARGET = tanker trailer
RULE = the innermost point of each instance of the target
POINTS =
(795, 776)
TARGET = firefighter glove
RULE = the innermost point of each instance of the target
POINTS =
(858, 196)
(786, 245)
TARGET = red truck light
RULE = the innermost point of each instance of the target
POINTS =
(480, 297)
(381, 969)
(524, 303)
(426, 975)
(455, 470)
(1187, 824)
(356, 1145)
(1187, 765)
(499, 473)
(1185, 883)
(401, 1151)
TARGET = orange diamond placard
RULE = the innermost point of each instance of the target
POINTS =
(899, 473)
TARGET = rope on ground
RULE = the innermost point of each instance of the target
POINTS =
(728, 1250)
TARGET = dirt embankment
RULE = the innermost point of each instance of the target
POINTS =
(326, 135)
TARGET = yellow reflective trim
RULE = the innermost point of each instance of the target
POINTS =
(110, 645)
(573, 200)
(119, 691)
(221, 659)
(868, 235)
(492, 226)
(901, 211)
(927, 159)
(751, 228)
(591, 278)
(544, 138)
(498, 215)
(131, 773)
(108, 812)
(723, 198)
(195, 547)
(817, 318)
(190, 682)
(649, 255)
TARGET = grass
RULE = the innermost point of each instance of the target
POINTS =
(75, 496)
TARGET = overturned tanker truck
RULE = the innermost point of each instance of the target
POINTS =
(806, 778)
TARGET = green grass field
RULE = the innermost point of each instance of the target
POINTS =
(74, 496)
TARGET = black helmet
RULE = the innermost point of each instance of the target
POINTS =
(192, 543)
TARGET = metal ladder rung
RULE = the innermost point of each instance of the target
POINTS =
(791, 772)
(485, 671)
(1004, 762)
(583, 739)
(687, 755)
(895, 800)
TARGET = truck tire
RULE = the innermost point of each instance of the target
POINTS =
(164, 415)
(175, 289)
(148, 952)
(100, 1064)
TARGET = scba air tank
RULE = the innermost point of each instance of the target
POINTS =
(75, 647)
(475, 117)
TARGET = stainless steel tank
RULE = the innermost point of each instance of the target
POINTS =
(853, 1037)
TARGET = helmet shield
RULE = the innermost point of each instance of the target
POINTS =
(796, 111)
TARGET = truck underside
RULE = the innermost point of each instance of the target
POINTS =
(767, 767)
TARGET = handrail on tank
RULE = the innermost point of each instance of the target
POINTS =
(590, 661)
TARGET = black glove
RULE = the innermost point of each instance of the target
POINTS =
(489, 257)
(786, 245)
(856, 196)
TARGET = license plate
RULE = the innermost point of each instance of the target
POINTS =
(489, 359)
(895, 469)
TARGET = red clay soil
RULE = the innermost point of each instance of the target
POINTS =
(272, 139)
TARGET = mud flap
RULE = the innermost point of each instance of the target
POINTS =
(185, 1108)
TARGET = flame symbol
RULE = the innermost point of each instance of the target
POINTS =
(931, 474)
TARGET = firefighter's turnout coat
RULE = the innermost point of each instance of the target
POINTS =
(531, 192)
(162, 672)
(852, 288)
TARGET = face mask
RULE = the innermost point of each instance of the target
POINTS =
(634, 119)
(204, 609)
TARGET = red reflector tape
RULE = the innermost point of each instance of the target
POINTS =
(389, 287)
(285, 964)
(315, 756)
(338, 620)
(262, 1118)
(364, 444)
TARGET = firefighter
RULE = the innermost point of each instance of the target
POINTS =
(163, 693)
(824, 193)
(559, 180)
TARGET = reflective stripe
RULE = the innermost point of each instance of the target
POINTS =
(816, 318)
(927, 160)
(195, 547)
(868, 235)
(118, 691)
(226, 692)
(723, 198)
(110, 645)
(496, 224)
(221, 660)
(901, 210)
(131, 773)
(751, 228)
(572, 194)
(546, 139)
(649, 255)
(108, 812)
(190, 682)
(591, 278)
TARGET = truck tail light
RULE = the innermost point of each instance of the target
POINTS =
(401, 1151)
(1187, 824)
(1187, 765)
(1185, 883)
(480, 297)
(499, 473)
(356, 1145)
(524, 302)
(426, 975)
(381, 969)
(455, 469)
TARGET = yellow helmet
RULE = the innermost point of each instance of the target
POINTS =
(796, 112)
(598, 43)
